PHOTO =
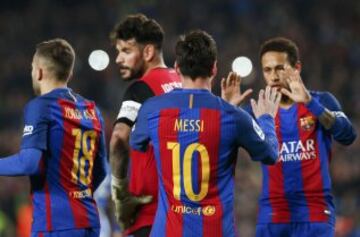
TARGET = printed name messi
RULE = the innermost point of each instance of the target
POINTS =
(72, 113)
(297, 151)
(189, 125)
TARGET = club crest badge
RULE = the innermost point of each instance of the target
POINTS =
(307, 123)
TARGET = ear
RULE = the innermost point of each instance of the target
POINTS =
(149, 52)
(40, 74)
(298, 66)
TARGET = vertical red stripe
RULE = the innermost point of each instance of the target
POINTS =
(48, 207)
(66, 164)
(279, 204)
(42, 169)
(167, 133)
(40, 234)
(311, 168)
(210, 138)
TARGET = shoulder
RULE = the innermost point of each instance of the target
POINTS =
(38, 105)
(327, 99)
(138, 85)
(321, 95)
(158, 99)
(155, 73)
(156, 103)
(229, 108)
(138, 91)
(37, 109)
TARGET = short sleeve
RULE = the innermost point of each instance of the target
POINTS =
(140, 137)
(330, 102)
(134, 97)
(36, 124)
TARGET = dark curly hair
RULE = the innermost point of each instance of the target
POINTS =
(144, 30)
(196, 54)
(282, 45)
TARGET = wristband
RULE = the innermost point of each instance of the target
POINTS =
(315, 107)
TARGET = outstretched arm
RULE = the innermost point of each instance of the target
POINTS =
(259, 139)
(26, 162)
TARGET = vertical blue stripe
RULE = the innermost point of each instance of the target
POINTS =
(292, 171)
(225, 173)
(159, 226)
(264, 202)
(185, 138)
(39, 214)
(324, 146)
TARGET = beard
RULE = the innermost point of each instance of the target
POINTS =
(137, 71)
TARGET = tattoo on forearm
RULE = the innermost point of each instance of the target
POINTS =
(119, 159)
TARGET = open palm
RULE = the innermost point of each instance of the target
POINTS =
(230, 89)
(298, 92)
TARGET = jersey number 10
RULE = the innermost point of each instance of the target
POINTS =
(187, 170)
(84, 141)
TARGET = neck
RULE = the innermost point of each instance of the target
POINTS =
(197, 83)
(286, 102)
(157, 62)
(52, 85)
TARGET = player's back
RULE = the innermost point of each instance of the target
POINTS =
(159, 81)
(195, 137)
(62, 192)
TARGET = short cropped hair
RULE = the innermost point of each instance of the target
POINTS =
(196, 53)
(59, 56)
(141, 28)
(282, 45)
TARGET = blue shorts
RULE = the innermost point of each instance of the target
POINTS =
(88, 232)
(300, 229)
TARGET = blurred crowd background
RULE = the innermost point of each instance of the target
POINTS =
(327, 33)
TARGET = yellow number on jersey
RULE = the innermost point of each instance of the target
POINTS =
(86, 143)
(187, 168)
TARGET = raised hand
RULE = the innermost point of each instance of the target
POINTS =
(230, 89)
(298, 92)
(268, 102)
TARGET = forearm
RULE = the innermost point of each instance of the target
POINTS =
(326, 117)
(335, 122)
(119, 158)
(26, 162)
(266, 122)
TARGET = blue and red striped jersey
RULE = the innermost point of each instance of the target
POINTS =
(195, 137)
(158, 81)
(70, 131)
(298, 187)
